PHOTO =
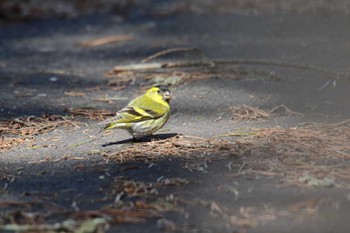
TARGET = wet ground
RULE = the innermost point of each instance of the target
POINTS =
(64, 174)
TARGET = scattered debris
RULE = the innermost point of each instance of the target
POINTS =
(91, 225)
(132, 188)
(168, 81)
(251, 217)
(171, 181)
(229, 189)
(6, 143)
(246, 112)
(166, 225)
(312, 181)
(66, 226)
(124, 212)
(120, 80)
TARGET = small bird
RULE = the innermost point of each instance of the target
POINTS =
(144, 115)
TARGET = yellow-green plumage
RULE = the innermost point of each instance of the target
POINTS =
(145, 114)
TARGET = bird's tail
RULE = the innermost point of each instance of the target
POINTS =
(110, 126)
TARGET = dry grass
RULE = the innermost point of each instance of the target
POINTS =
(169, 51)
(320, 153)
(303, 156)
(246, 112)
(91, 113)
(174, 78)
(249, 217)
(6, 143)
(29, 126)
(20, 130)
(179, 146)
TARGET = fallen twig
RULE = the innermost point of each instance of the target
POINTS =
(213, 63)
(106, 40)
(168, 51)
(159, 65)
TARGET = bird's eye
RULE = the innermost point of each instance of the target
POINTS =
(158, 91)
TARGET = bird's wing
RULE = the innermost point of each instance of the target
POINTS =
(128, 114)
(148, 107)
(134, 114)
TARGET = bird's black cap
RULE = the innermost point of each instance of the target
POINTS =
(163, 88)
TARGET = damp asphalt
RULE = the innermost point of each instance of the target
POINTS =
(41, 61)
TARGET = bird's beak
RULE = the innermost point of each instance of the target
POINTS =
(167, 95)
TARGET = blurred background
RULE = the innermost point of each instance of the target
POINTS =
(12, 10)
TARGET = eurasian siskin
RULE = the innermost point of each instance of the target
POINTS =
(145, 114)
